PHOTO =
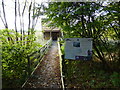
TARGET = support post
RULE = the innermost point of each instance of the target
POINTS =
(29, 65)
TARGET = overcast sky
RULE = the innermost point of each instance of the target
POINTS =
(10, 14)
(9, 9)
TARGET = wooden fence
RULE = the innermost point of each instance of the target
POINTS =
(35, 57)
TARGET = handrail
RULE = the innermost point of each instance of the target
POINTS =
(40, 53)
(40, 48)
(37, 55)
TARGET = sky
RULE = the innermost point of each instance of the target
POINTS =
(9, 9)
(10, 14)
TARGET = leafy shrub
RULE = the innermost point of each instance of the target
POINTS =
(115, 79)
(14, 55)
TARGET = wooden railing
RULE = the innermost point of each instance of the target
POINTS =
(60, 57)
(35, 57)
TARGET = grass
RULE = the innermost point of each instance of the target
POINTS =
(88, 74)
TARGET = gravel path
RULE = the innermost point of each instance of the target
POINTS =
(47, 74)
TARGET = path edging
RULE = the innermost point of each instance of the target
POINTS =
(60, 58)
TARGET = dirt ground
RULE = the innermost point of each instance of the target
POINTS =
(47, 74)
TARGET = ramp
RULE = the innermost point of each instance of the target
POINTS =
(47, 74)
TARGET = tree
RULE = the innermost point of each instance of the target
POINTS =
(82, 19)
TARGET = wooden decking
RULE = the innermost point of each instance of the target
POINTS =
(47, 74)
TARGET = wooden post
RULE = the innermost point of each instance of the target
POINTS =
(29, 65)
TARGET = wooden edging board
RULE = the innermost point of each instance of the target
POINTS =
(61, 65)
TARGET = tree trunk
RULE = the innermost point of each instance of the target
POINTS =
(23, 21)
(29, 18)
(5, 21)
(16, 19)
(21, 38)
(105, 64)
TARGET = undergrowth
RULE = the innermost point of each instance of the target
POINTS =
(14, 57)
(88, 74)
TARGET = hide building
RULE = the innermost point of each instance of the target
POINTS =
(53, 33)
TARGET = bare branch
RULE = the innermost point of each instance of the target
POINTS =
(2, 19)
(6, 25)
(24, 8)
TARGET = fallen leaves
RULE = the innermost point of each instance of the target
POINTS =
(48, 72)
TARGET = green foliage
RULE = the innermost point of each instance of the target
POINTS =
(89, 20)
(62, 50)
(88, 74)
(14, 56)
(115, 79)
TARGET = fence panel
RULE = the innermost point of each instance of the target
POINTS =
(35, 57)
